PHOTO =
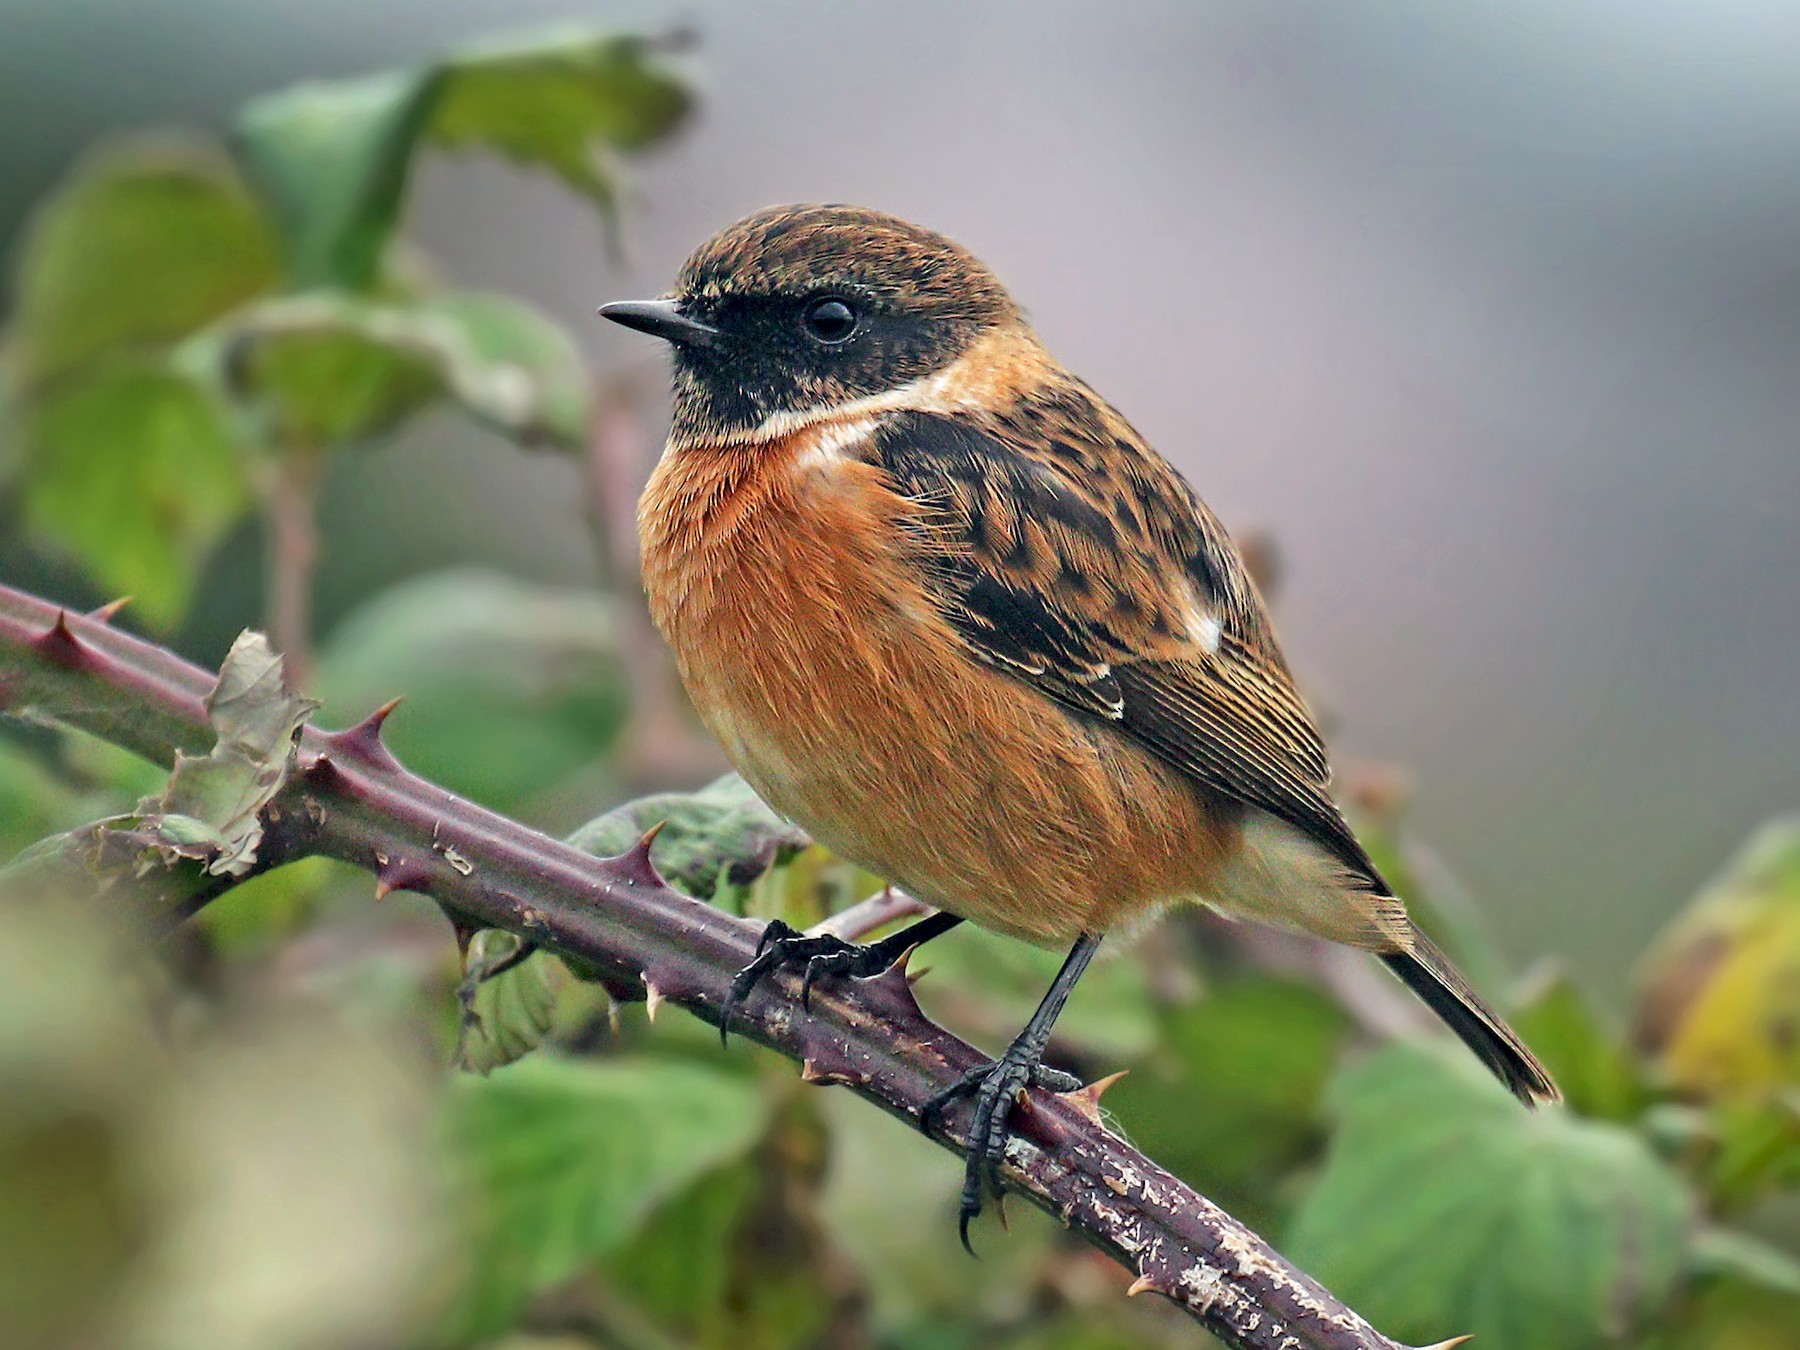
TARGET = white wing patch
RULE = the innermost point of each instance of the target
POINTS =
(1203, 627)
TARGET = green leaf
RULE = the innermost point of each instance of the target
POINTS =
(741, 1260)
(1749, 1260)
(713, 841)
(1445, 1207)
(507, 1011)
(1733, 1314)
(328, 371)
(510, 687)
(513, 367)
(679, 1266)
(509, 1014)
(336, 370)
(1231, 1098)
(53, 780)
(130, 467)
(336, 156)
(558, 100)
(1597, 1073)
(216, 800)
(1756, 1149)
(1721, 989)
(565, 1160)
(207, 820)
(147, 241)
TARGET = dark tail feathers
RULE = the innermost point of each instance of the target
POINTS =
(1428, 973)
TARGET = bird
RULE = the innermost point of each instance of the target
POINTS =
(948, 611)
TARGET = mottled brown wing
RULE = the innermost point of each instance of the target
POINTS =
(1068, 554)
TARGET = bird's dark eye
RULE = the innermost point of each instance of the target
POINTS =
(830, 321)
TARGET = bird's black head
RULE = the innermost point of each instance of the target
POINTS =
(796, 311)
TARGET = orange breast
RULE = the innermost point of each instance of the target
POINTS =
(780, 575)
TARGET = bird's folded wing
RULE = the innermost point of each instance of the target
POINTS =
(1088, 570)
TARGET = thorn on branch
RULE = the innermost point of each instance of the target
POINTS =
(59, 644)
(825, 1074)
(110, 610)
(898, 980)
(635, 861)
(403, 874)
(319, 770)
(362, 743)
(669, 983)
(827, 1059)
(1086, 1099)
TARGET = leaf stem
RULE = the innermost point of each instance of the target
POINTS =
(290, 507)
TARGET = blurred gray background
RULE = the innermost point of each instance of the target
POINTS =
(1489, 313)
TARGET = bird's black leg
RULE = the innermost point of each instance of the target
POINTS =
(783, 945)
(996, 1087)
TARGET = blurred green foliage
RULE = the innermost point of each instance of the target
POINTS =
(1579, 1212)
(179, 1172)
(567, 1160)
(509, 687)
(194, 327)
(1722, 988)
(285, 1129)
(1233, 1089)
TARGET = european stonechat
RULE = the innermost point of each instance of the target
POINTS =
(949, 612)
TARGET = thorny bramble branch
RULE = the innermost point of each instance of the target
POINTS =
(351, 800)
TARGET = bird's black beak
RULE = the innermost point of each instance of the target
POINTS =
(663, 319)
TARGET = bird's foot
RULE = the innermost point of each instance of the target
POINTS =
(783, 945)
(996, 1087)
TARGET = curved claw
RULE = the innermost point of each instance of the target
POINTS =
(815, 966)
(782, 944)
(768, 956)
(776, 931)
(997, 1086)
